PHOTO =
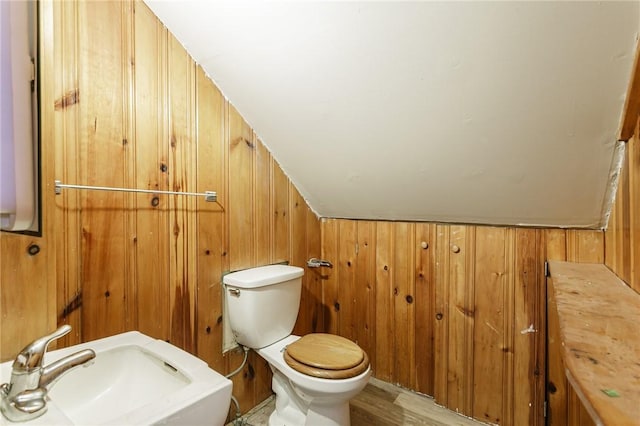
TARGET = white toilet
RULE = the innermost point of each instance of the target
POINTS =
(317, 375)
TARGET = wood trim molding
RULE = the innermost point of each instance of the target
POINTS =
(632, 102)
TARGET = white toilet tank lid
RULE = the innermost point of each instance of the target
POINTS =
(263, 276)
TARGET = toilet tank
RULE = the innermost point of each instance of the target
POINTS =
(263, 303)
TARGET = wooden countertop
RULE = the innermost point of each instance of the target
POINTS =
(599, 318)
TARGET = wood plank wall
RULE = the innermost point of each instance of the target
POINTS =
(622, 242)
(453, 311)
(128, 107)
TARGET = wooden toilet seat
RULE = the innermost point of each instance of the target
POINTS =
(326, 356)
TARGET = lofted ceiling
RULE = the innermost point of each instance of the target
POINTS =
(474, 112)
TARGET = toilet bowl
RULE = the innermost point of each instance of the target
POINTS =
(305, 400)
(317, 377)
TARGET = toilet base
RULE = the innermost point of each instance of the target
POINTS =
(291, 410)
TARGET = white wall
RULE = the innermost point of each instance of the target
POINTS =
(476, 112)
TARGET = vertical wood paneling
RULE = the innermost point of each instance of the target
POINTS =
(509, 331)
(298, 256)
(476, 336)
(48, 240)
(555, 241)
(346, 265)
(384, 327)
(241, 235)
(329, 234)
(424, 309)
(26, 311)
(585, 246)
(622, 219)
(130, 172)
(280, 221)
(624, 213)
(454, 278)
(441, 325)
(489, 333)
(210, 221)
(460, 249)
(615, 234)
(240, 205)
(66, 145)
(182, 177)
(527, 329)
(314, 278)
(151, 214)
(403, 298)
(556, 244)
(262, 191)
(365, 301)
(541, 393)
(262, 381)
(622, 254)
(556, 382)
(243, 382)
(634, 207)
(611, 235)
(104, 247)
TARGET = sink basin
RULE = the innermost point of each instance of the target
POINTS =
(134, 380)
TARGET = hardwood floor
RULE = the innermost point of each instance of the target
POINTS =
(381, 404)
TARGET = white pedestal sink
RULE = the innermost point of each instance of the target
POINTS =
(134, 380)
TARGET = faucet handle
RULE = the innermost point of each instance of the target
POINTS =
(32, 355)
(30, 401)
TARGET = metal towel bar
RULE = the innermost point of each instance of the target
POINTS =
(210, 196)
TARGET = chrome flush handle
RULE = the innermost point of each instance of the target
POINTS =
(317, 263)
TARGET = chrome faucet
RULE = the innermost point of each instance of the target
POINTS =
(24, 397)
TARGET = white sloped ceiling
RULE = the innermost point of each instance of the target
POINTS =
(475, 112)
